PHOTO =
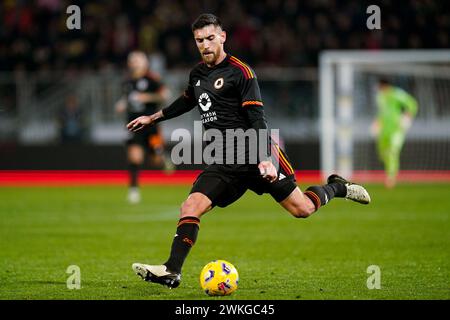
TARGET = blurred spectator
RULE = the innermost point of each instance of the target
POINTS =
(33, 34)
(71, 121)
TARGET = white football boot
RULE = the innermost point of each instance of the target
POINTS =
(134, 195)
(355, 192)
(157, 274)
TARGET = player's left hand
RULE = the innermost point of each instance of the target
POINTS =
(139, 123)
(268, 170)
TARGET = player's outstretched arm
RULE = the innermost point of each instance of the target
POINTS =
(143, 121)
(252, 102)
(177, 108)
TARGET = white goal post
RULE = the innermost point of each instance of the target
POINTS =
(347, 106)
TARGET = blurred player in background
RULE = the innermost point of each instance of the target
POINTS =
(396, 111)
(143, 94)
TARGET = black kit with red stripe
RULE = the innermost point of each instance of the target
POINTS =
(228, 97)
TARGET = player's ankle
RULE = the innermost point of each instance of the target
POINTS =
(339, 189)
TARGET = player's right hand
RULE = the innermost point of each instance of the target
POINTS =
(268, 171)
(139, 123)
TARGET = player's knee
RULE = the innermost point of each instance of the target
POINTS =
(135, 159)
(195, 205)
(302, 210)
(188, 209)
(135, 154)
(191, 208)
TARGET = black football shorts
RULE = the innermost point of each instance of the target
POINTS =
(224, 184)
(149, 138)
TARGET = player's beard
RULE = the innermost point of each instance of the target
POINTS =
(210, 59)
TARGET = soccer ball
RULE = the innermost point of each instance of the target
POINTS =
(219, 278)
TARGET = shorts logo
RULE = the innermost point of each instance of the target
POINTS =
(218, 83)
(204, 101)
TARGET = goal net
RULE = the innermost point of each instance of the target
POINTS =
(348, 83)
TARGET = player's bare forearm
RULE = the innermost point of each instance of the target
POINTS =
(143, 121)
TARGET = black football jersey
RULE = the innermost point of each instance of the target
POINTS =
(150, 83)
(223, 92)
(228, 97)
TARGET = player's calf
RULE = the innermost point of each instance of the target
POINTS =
(302, 211)
(298, 204)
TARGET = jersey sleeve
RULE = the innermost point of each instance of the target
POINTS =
(407, 101)
(183, 104)
(252, 102)
(249, 88)
(157, 83)
(188, 94)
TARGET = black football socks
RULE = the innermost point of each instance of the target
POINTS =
(320, 195)
(133, 170)
(185, 238)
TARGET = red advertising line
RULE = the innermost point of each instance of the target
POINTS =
(91, 177)
(181, 177)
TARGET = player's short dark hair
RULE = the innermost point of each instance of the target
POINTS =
(206, 19)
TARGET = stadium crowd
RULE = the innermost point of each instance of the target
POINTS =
(34, 36)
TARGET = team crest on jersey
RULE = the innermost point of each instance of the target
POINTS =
(204, 101)
(218, 83)
(142, 84)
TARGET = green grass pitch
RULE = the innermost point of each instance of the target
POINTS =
(405, 231)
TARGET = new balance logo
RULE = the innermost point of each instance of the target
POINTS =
(281, 177)
(198, 83)
(326, 199)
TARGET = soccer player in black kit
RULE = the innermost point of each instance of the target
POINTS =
(143, 93)
(227, 94)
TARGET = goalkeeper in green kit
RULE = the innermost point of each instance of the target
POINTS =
(396, 110)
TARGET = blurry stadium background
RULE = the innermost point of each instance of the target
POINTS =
(58, 86)
(58, 126)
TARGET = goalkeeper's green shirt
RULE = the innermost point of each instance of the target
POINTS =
(392, 103)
